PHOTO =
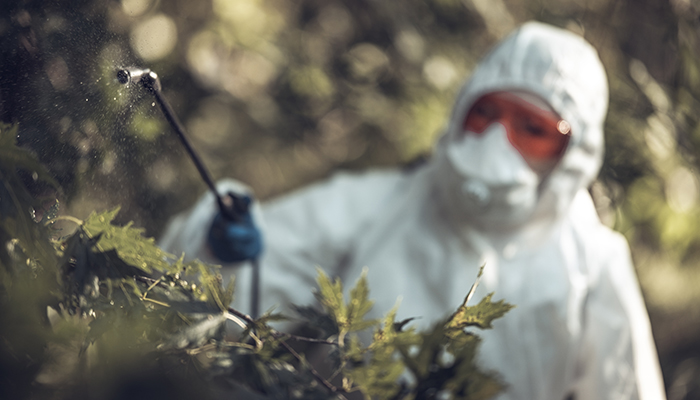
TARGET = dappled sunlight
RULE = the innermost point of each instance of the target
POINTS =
(154, 38)
(682, 190)
(411, 45)
(667, 286)
(135, 8)
(366, 62)
(440, 72)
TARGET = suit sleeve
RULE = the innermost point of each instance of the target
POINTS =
(312, 228)
(618, 359)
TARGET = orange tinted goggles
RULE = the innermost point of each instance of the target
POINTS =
(534, 132)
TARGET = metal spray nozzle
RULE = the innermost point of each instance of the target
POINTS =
(144, 76)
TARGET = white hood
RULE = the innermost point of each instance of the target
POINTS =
(563, 69)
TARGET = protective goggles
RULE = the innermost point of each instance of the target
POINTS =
(535, 132)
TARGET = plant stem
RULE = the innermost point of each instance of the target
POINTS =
(313, 371)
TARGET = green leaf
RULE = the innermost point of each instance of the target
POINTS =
(378, 377)
(391, 333)
(430, 345)
(480, 315)
(349, 317)
(129, 242)
(213, 287)
(359, 305)
(330, 295)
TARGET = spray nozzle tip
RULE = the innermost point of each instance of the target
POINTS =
(144, 76)
(123, 76)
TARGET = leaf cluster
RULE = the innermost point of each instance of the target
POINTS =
(401, 363)
(102, 299)
(103, 313)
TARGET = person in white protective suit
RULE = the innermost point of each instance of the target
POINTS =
(506, 187)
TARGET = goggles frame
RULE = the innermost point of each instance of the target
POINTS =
(537, 133)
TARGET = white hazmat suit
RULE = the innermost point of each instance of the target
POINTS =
(579, 327)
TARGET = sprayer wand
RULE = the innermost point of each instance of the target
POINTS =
(149, 80)
(228, 204)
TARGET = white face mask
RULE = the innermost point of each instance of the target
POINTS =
(489, 179)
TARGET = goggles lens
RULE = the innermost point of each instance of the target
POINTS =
(536, 133)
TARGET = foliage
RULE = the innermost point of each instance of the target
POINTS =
(103, 313)
(440, 360)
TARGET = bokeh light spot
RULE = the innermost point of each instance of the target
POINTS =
(311, 81)
(204, 57)
(681, 190)
(57, 71)
(154, 38)
(440, 72)
(411, 45)
(134, 8)
(367, 62)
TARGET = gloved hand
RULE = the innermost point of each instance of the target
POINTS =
(233, 236)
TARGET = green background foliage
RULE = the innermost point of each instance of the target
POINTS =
(281, 93)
